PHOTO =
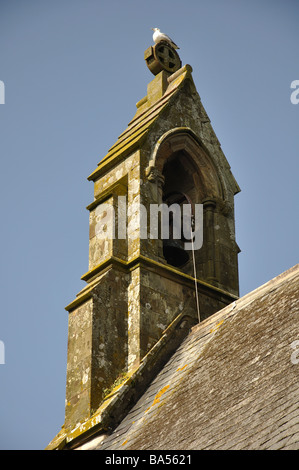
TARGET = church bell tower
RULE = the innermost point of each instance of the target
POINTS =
(138, 282)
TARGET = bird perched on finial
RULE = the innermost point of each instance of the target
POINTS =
(159, 36)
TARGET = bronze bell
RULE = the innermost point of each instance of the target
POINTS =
(174, 253)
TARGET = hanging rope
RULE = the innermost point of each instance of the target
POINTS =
(194, 269)
(192, 243)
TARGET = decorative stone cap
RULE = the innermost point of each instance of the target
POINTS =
(162, 56)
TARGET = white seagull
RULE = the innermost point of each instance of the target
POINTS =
(158, 36)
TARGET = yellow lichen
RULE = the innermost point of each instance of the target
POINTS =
(116, 384)
(182, 368)
(216, 326)
(158, 396)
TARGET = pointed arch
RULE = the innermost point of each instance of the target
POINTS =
(182, 144)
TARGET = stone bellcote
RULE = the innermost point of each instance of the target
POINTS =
(135, 286)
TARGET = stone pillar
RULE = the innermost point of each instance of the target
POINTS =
(97, 343)
(212, 274)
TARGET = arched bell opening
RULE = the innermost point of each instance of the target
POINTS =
(185, 165)
(179, 189)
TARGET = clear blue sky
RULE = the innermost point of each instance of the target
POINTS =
(73, 71)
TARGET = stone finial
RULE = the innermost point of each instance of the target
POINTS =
(162, 56)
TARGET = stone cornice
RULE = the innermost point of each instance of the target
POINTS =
(142, 261)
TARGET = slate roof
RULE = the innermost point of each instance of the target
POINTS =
(231, 384)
